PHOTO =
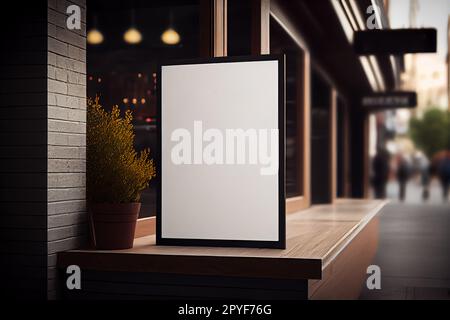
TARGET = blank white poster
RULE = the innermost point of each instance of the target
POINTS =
(220, 151)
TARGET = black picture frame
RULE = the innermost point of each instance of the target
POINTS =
(281, 242)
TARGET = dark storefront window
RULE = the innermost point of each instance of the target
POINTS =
(124, 74)
(239, 24)
(341, 148)
(281, 42)
(320, 139)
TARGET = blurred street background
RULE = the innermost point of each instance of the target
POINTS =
(410, 148)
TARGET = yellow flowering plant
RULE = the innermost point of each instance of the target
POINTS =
(116, 173)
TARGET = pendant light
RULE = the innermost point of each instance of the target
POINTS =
(132, 35)
(170, 36)
(94, 36)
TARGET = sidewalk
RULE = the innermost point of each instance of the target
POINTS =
(414, 247)
(414, 192)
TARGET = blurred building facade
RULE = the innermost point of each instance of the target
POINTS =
(427, 74)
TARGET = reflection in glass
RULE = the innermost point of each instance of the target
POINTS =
(281, 42)
(125, 75)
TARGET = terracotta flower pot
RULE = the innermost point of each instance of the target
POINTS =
(114, 224)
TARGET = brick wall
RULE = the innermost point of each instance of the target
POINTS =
(66, 222)
(23, 151)
(42, 144)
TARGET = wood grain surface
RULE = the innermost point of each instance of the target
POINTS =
(315, 238)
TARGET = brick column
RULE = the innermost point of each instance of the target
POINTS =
(66, 222)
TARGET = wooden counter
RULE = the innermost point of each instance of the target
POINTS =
(316, 239)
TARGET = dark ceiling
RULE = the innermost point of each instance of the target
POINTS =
(317, 21)
(151, 18)
(330, 49)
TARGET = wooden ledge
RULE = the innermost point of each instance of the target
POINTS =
(315, 237)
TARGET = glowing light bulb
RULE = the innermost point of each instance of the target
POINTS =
(94, 37)
(170, 37)
(132, 36)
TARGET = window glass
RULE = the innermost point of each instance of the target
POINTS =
(341, 151)
(320, 139)
(124, 74)
(239, 24)
(281, 42)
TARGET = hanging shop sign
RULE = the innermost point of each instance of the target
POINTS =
(395, 41)
(389, 100)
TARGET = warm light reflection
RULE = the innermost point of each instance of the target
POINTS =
(170, 37)
(132, 36)
(94, 37)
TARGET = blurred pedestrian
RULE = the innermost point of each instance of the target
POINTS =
(425, 175)
(403, 171)
(444, 175)
(380, 166)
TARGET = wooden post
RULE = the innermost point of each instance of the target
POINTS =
(219, 28)
(306, 123)
(333, 145)
(366, 157)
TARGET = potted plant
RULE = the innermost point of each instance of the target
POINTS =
(116, 175)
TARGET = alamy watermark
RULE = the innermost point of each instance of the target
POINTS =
(73, 21)
(374, 279)
(374, 19)
(74, 279)
(226, 147)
